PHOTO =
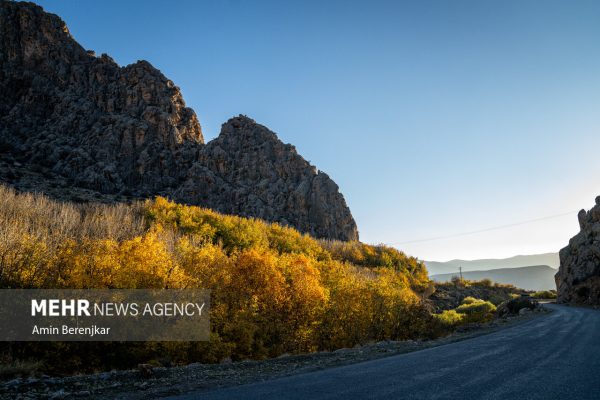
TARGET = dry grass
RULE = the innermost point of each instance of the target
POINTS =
(33, 227)
(41, 217)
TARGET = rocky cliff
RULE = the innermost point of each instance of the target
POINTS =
(81, 127)
(578, 277)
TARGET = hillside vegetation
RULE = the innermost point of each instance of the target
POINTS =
(274, 290)
(450, 295)
(471, 310)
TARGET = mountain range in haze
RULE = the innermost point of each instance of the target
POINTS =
(452, 266)
(535, 277)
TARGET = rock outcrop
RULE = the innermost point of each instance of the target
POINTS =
(81, 127)
(248, 171)
(578, 277)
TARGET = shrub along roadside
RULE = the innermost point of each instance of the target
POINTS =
(449, 295)
(274, 290)
(471, 310)
(545, 295)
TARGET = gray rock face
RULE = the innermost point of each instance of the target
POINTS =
(578, 278)
(71, 114)
(248, 171)
(80, 127)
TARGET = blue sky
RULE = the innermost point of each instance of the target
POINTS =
(434, 117)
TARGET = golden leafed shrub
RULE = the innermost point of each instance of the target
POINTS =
(274, 290)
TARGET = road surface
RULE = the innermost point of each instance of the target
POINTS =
(556, 356)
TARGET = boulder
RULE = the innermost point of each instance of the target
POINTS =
(516, 306)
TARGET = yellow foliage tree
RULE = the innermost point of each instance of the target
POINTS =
(273, 289)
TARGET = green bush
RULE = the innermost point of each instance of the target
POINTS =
(469, 300)
(476, 310)
(449, 318)
(471, 310)
(545, 294)
(486, 282)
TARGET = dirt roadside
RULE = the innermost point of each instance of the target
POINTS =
(159, 382)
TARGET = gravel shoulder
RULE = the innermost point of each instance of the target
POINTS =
(160, 382)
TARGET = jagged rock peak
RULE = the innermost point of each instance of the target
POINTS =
(240, 122)
(79, 127)
(244, 129)
(270, 181)
(83, 117)
(578, 277)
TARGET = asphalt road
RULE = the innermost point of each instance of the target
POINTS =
(556, 356)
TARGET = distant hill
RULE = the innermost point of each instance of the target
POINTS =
(536, 277)
(448, 267)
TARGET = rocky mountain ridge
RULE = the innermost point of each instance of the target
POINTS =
(578, 277)
(81, 127)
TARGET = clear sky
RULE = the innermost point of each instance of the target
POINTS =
(434, 117)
